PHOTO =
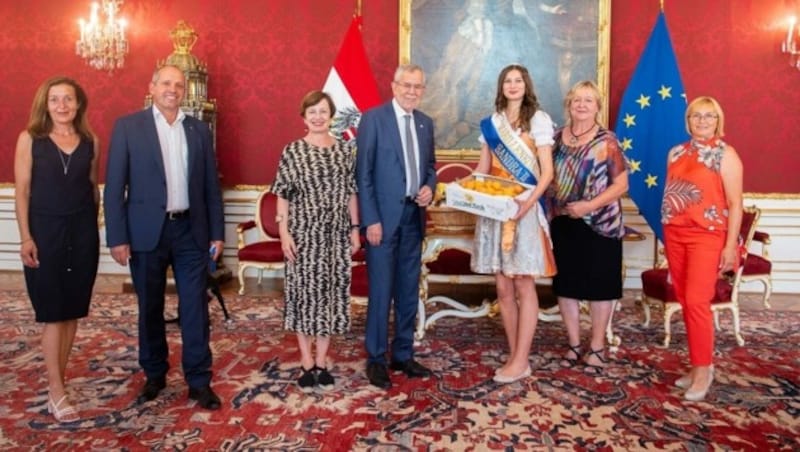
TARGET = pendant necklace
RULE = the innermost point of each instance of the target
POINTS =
(576, 137)
(64, 162)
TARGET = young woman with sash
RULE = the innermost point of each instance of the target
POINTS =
(517, 142)
(584, 204)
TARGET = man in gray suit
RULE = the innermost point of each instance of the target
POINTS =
(163, 207)
(396, 177)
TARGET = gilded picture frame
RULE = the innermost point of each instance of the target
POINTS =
(463, 44)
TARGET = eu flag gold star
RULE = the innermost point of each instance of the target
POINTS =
(665, 92)
(627, 143)
(636, 165)
(651, 181)
(630, 120)
(643, 101)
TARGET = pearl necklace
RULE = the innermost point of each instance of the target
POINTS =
(576, 137)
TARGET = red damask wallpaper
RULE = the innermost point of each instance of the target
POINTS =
(263, 56)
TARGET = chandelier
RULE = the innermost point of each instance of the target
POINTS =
(103, 44)
(789, 45)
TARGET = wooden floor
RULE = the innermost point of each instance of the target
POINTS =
(470, 294)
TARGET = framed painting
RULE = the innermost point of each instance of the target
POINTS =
(464, 44)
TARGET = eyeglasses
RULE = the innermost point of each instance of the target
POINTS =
(697, 117)
(410, 86)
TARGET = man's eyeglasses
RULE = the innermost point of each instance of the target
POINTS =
(410, 86)
(697, 117)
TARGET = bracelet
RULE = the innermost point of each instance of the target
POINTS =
(26, 240)
(355, 226)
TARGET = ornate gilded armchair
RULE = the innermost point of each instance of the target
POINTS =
(657, 289)
(264, 253)
(758, 267)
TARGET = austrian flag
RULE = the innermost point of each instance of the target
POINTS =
(351, 83)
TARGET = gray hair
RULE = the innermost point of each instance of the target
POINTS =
(157, 72)
(409, 67)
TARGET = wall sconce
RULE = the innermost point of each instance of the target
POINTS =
(103, 44)
(789, 45)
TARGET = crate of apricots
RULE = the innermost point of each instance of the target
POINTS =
(485, 195)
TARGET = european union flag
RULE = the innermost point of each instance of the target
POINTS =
(651, 121)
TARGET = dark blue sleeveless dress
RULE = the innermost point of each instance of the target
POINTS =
(63, 223)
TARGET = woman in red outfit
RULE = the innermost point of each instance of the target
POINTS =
(701, 212)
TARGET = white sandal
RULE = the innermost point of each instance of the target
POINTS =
(62, 410)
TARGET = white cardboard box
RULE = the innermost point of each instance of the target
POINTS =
(495, 207)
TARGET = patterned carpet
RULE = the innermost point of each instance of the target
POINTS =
(753, 405)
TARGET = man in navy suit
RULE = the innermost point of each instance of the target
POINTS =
(163, 207)
(396, 177)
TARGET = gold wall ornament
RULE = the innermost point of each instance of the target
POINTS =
(103, 44)
(195, 101)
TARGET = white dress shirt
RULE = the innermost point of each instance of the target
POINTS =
(175, 153)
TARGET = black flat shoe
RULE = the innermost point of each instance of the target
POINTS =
(378, 376)
(152, 387)
(205, 397)
(411, 368)
(307, 381)
(324, 378)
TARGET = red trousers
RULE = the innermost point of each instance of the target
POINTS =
(693, 255)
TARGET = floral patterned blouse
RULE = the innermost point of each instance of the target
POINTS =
(694, 195)
(582, 173)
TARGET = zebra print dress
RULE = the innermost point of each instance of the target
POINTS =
(318, 183)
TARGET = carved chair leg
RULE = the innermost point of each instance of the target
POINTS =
(646, 308)
(669, 309)
(736, 325)
(241, 279)
(767, 291)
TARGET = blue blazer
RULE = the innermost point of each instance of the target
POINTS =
(135, 195)
(380, 166)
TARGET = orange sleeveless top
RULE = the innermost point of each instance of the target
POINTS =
(693, 195)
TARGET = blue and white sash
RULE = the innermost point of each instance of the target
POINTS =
(509, 148)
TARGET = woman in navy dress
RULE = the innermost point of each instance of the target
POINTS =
(55, 172)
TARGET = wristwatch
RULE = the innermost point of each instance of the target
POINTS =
(279, 218)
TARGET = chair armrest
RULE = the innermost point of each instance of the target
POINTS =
(247, 225)
(762, 237)
(241, 228)
(764, 240)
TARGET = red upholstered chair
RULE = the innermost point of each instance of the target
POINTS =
(656, 288)
(264, 253)
(758, 267)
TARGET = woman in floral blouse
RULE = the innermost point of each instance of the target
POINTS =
(701, 212)
(584, 203)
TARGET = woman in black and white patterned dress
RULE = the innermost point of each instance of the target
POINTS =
(318, 222)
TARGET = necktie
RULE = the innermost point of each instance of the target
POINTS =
(411, 159)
